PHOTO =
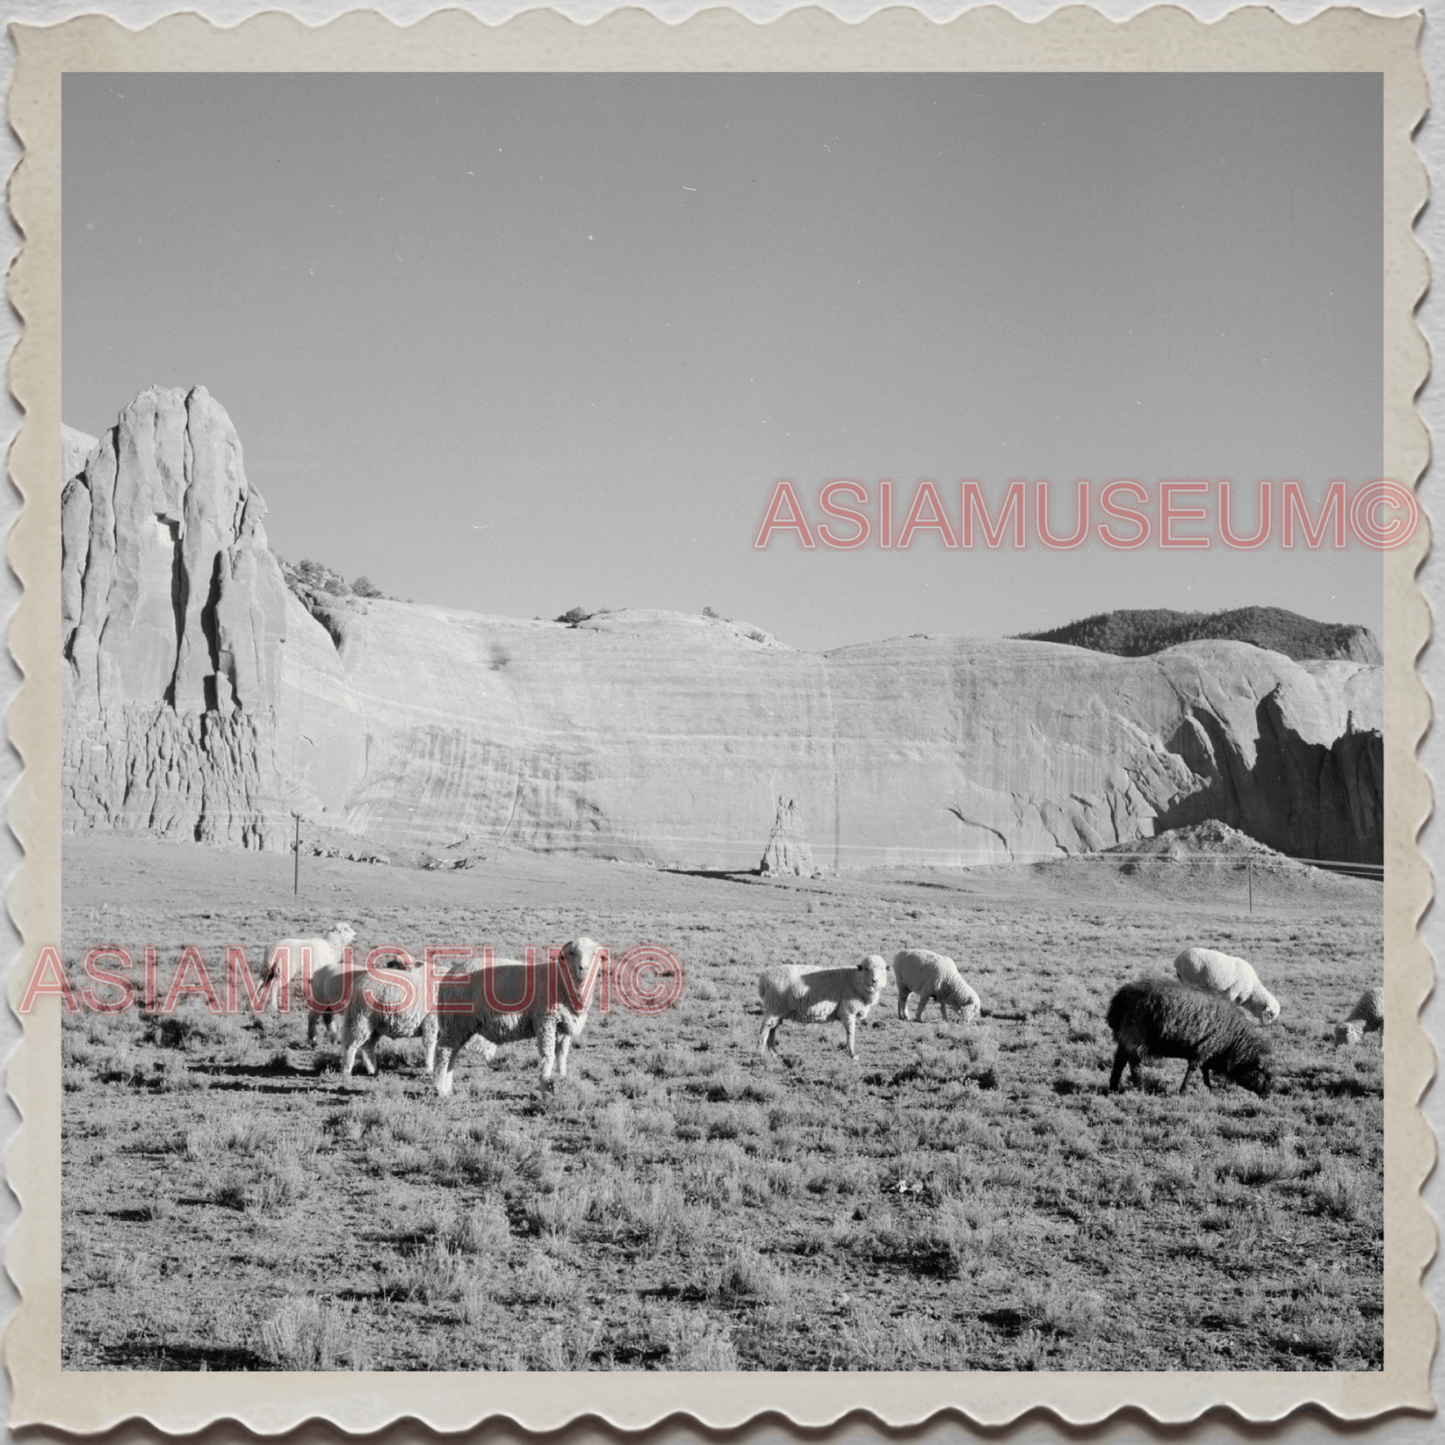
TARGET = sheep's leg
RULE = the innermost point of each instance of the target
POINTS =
(851, 1024)
(903, 992)
(311, 1031)
(564, 1044)
(443, 1073)
(429, 1032)
(943, 1009)
(767, 1041)
(1120, 1059)
(547, 1047)
(368, 1052)
(923, 1001)
(1204, 1074)
(348, 1057)
(1188, 1074)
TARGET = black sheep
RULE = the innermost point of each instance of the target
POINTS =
(1163, 1019)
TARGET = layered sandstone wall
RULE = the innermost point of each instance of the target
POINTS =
(204, 700)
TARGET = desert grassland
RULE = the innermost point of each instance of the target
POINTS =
(960, 1198)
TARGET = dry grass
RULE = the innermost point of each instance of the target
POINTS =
(960, 1198)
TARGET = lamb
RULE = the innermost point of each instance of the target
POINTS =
(1163, 1019)
(815, 995)
(930, 976)
(327, 993)
(391, 1007)
(1367, 1017)
(505, 1000)
(431, 1029)
(1215, 972)
(397, 1010)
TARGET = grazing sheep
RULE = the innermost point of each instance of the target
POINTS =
(328, 974)
(1367, 1017)
(1236, 980)
(931, 975)
(382, 1008)
(1159, 1018)
(815, 995)
(508, 983)
(430, 1029)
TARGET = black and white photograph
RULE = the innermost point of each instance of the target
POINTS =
(723, 722)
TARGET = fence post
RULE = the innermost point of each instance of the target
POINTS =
(296, 873)
(1251, 885)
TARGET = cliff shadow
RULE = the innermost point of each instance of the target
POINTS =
(1304, 799)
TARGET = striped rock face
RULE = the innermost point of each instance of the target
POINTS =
(203, 698)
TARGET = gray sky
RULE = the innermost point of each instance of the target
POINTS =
(520, 343)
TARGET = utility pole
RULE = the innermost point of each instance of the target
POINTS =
(1251, 885)
(296, 875)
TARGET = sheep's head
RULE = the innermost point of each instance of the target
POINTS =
(963, 998)
(1351, 1032)
(875, 969)
(1255, 1077)
(578, 956)
(1264, 1006)
(343, 934)
(401, 960)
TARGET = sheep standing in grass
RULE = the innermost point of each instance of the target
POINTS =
(1367, 1017)
(431, 1029)
(1160, 1019)
(1233, 978)
(506, 1000)
(392, 1006)
(931, 975)
(325, 998)
(815, 995)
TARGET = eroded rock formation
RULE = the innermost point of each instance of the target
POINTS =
(199, 697)
(204, 700)
(787, 850)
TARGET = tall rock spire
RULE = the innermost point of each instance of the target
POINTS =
(174, 621)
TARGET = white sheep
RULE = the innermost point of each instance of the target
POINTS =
(503, 1001)
(1367, 1017)
(289, 962)
(930, 975)
(381, 1007)
(430, 1029)
(815, 995)
(1236, 980)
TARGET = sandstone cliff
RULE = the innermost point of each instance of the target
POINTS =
(203, 699)
(199, 697)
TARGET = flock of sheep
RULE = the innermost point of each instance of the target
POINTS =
(486, 1002)
(1200, 1016)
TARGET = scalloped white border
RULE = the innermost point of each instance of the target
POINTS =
(814, 1400)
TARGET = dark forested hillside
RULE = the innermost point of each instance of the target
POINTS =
(1139, 633)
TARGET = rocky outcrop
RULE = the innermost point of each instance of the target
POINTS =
(204, 700)
(75, 448)
(787, 850)
(199, 697)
